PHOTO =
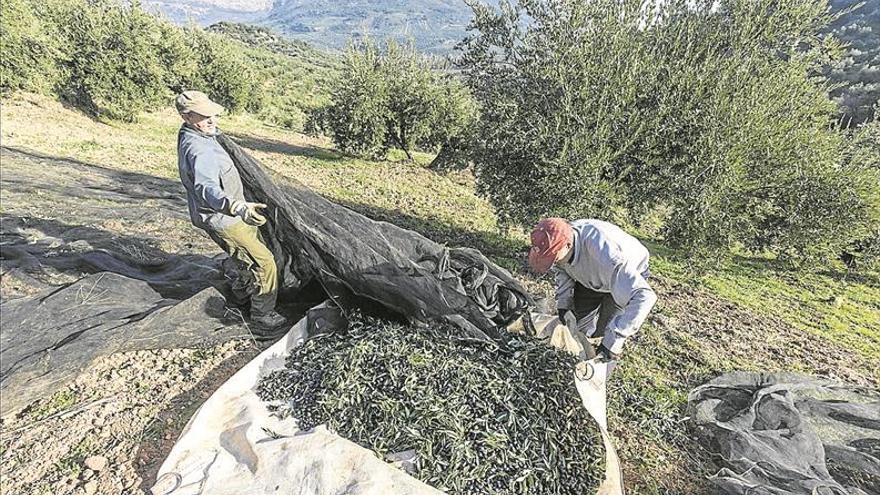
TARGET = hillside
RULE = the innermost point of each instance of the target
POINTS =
(438, 25)
(206, 12)
(859, 71)
(260, 37)
(748, 314)
(435, 25)
(292, 75)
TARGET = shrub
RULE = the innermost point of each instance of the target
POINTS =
(115, 60)
(177, 53)
(293, 76)
(356, 118)
(862, 160)
(30, 51)
(223, 72)
(709, 111)
(112, 66)
(393, 99)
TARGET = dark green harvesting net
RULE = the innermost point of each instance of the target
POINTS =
(481, 419)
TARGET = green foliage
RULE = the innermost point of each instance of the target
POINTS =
(177, 53)
(115, 60)
(862, 160)
(293, 75)
(29, 49)
(393, 99)
(111, 63)
(260, 37)
(58, 402)
(707, 111)
(356, 116)
(224, 73)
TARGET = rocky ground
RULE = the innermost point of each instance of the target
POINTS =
(109, 431)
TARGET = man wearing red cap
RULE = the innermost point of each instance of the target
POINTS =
(601, 272)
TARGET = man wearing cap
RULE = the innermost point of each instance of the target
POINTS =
(215, 197)
(601, 272)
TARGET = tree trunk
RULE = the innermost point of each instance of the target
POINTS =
(400, 137)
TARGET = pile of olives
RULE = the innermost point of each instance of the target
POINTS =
(482, 417)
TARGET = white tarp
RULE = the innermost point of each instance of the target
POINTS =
(233, 445)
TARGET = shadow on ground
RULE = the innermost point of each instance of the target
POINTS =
(274, 146)
(47, 172)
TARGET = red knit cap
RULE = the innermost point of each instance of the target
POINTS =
(550, 236)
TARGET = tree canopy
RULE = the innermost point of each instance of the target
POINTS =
(393, 98)
(709, 114)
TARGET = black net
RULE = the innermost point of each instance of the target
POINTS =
(362, 262)
(49, 338)
(786, 434)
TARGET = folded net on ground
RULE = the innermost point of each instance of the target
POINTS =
(49, 338)
(787, 434)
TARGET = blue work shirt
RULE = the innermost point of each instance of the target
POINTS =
(210, 178)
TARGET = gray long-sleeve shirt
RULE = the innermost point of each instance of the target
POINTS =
(210, 178)
(607, 259)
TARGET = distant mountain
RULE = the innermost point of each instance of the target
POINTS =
(267, 39)
(437, 25)
(207, 12)
(859, 71)
(434, 25)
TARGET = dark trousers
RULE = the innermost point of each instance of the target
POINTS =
(593, 310)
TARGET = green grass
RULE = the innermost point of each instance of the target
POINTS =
(72, 462)
(829, 306)
(58, 402)
(824, 301)
(71, 465)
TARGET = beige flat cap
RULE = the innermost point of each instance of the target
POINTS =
(197, 102)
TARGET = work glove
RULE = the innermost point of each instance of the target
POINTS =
(567, 318)
(249, 212)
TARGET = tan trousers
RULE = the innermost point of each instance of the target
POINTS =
(244, 243)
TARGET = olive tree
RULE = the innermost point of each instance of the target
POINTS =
(709, 111)
(30, 48)
(393, 98)
(114, 59)
(862, 159)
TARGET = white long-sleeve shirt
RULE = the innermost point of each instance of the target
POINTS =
(607, 259)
